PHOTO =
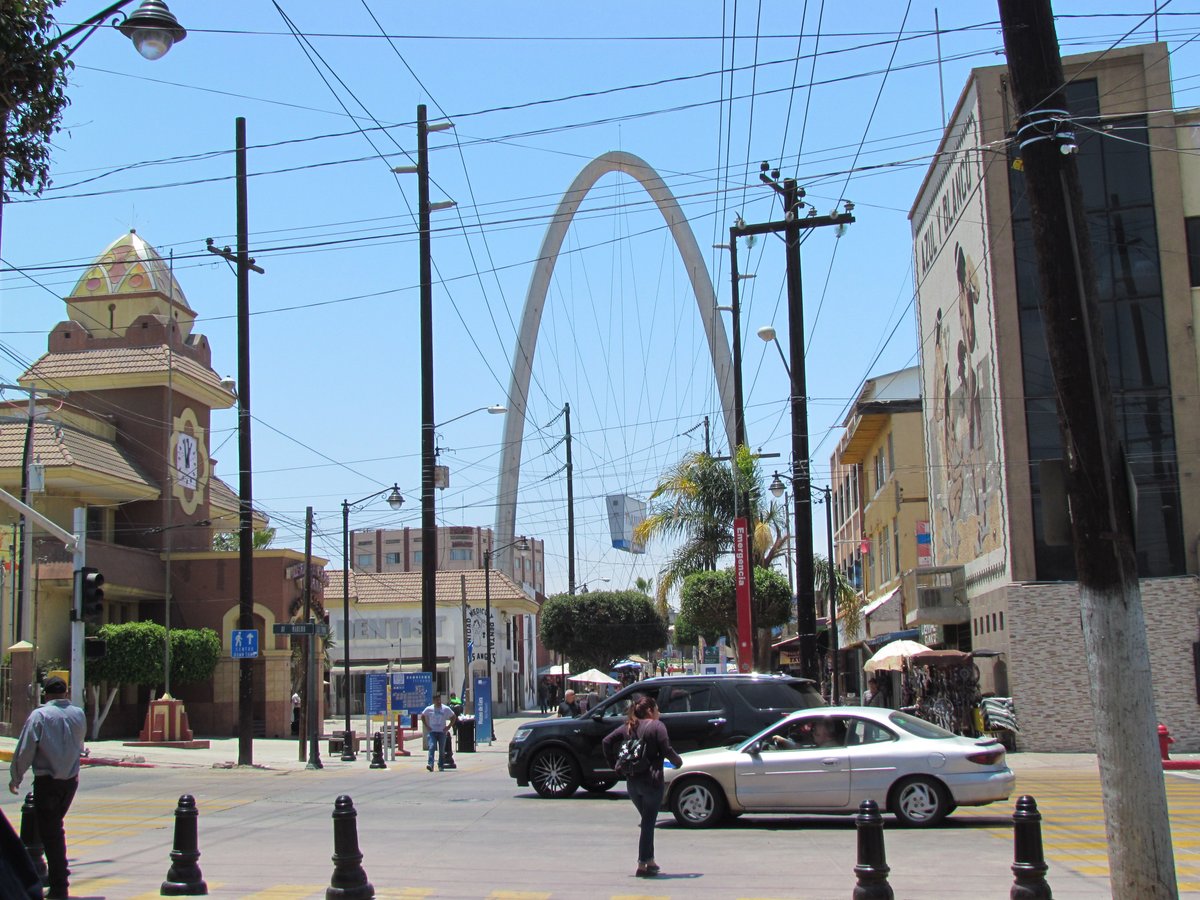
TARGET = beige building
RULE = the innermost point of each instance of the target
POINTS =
(990, 413)
(881, 517)
(459, 548)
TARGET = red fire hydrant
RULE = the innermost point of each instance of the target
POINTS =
(1164, 741)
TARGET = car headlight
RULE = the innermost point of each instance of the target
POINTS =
(521, 734)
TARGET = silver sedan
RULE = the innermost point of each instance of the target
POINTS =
(828, 760)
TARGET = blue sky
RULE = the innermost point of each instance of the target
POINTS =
(848, 98)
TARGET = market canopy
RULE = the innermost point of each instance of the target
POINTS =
(593, 676)
(563, 669)
(890, 657)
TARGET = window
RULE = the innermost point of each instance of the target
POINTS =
(864, 732)
(418, 556)
(896, 545)
(891, 453)
(460, 553)
(1192, 226)
(392, 559)
(1001, 620)
(363, 560)
(689, 699)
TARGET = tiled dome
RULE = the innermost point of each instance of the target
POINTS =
(129, 266)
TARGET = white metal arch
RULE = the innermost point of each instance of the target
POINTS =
(535, 301)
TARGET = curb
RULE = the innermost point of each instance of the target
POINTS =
(117, 763)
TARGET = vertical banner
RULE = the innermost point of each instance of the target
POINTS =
(483, 710)
(741, 578)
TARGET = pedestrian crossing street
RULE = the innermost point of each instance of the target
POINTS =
(1073, 823)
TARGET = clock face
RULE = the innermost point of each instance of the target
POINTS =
(187, 460)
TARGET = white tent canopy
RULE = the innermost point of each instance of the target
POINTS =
(890, 657)
(593, 676)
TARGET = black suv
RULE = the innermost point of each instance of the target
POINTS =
(559, 755)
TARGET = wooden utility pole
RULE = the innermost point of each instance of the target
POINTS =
(244, 264)
(1140, 855)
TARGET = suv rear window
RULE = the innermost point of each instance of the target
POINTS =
(780, 695)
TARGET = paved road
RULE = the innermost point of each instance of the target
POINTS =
(471, 833)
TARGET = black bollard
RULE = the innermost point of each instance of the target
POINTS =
(377, 753)
(1029, 864)
(32, 838)
(872, 869)
(184, 878)
(349, 881)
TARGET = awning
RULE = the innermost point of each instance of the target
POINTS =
(878, 602)
(564, 669)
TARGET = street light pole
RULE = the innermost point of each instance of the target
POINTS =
(394, 501)
(521, 544)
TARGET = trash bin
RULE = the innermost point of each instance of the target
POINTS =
(465, 729)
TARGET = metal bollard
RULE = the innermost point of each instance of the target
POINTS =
(32, 838)
(377, 753)
(184, 878)
(1029, 863)
(872, 869)
(349, 881)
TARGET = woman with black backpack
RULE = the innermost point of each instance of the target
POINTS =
(644, 744)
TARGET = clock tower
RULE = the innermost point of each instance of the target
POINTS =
(128, 350)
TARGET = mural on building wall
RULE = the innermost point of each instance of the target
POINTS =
(955, 315)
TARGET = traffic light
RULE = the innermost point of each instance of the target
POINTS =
(91, 605)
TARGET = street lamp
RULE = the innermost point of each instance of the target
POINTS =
(495, 409)
(777, 488)
(395, 500)
(152, 28)
(521, 544)
(767, 333)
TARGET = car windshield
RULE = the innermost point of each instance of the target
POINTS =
(919, 727)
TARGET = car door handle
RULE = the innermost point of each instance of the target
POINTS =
(717, 721)
(830, 761)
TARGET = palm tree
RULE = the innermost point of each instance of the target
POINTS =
(694, 502)
(849, 603)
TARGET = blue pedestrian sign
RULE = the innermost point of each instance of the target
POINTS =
(411, 692)
(483, 710)
(377, 685)
(245, 643)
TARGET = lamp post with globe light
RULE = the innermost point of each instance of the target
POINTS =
(394, 500)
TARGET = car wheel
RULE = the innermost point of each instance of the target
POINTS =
(920, 802)
(599, 787)
(698, 803)
(554, 774)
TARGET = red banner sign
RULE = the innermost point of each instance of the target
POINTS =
(741, 578)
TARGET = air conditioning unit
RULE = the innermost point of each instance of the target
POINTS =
(938, 595)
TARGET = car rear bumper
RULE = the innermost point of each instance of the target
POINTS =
(984, 787)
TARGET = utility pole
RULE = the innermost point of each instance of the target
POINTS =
(791, 226)
(311, 681)
(428, 457)
(243, 263)
(429, 559)
(570, 507)
(1140, 855)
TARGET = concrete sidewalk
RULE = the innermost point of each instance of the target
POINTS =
(266, 753)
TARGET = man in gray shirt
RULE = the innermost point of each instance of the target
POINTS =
(51, 741)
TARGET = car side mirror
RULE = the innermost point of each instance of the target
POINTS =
(753, 749)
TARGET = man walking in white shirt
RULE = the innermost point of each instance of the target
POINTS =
(438, 720)
(51, 741)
